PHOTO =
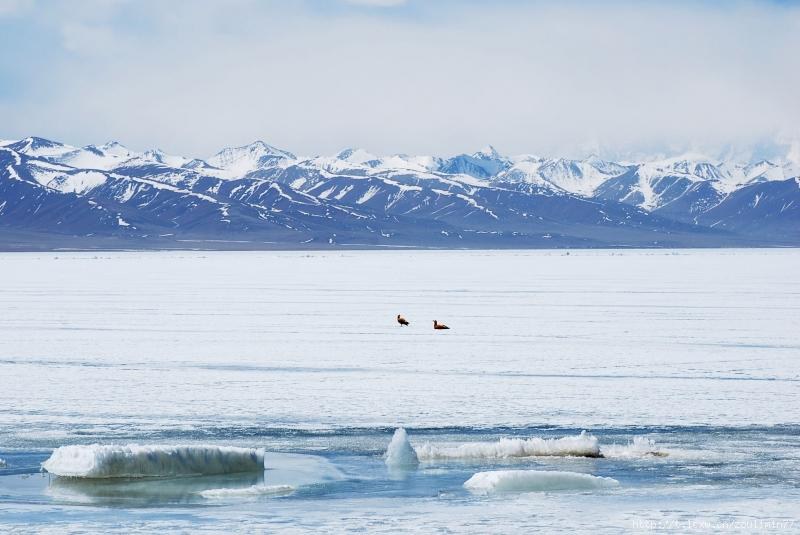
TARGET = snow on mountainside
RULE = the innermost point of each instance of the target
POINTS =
(106, 156)
(65, 179)
(738, 175)
(103, 157)
(158, 156)
(479, 198)
(656, 184)
(576, 176)
(358, 157)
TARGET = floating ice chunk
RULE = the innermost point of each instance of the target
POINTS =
(3, 463)
(253, 491)
(400, 454)
(638, 447)
(535, 481)
(583, 445)
(99, 461)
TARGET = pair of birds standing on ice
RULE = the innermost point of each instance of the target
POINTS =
(436, 325)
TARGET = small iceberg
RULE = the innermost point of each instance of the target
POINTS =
(3, 463)
(111, 461)
(583, 445)
(400, 454)
(246, 492)
(535, 481)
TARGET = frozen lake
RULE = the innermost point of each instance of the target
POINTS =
(299, 353)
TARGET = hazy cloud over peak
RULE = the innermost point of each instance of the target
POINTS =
(422, 77)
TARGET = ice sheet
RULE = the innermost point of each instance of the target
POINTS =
(297, 339)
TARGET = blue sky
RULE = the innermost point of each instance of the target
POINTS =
(416, 76)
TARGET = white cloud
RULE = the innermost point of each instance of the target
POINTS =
(528, 77)
(377, 3)
(89, 39)
(14, 7)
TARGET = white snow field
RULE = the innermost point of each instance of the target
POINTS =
(682, 367)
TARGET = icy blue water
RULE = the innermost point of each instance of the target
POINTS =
(685, 366)
(705, 477)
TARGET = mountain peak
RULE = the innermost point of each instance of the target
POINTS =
(488, 153)
(198, 164)
(265, 149)
(260, 145)
(39, 146)
(115, 148)
(40, 142)
(345, 153)
(112, 145)
(239, 161)
(33, 143)
(355, 155)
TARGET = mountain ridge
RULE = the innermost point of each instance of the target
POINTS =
(259, 195)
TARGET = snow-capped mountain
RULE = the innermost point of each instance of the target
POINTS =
(258, 194)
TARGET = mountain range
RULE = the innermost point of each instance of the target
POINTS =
(257, 196)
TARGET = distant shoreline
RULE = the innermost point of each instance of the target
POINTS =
(260, 247)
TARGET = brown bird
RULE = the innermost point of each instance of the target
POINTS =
(437, 325)
(402, 321)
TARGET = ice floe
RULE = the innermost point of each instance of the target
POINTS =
(535, 481)
(253, 491)
(111, 461)
(583, 445)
